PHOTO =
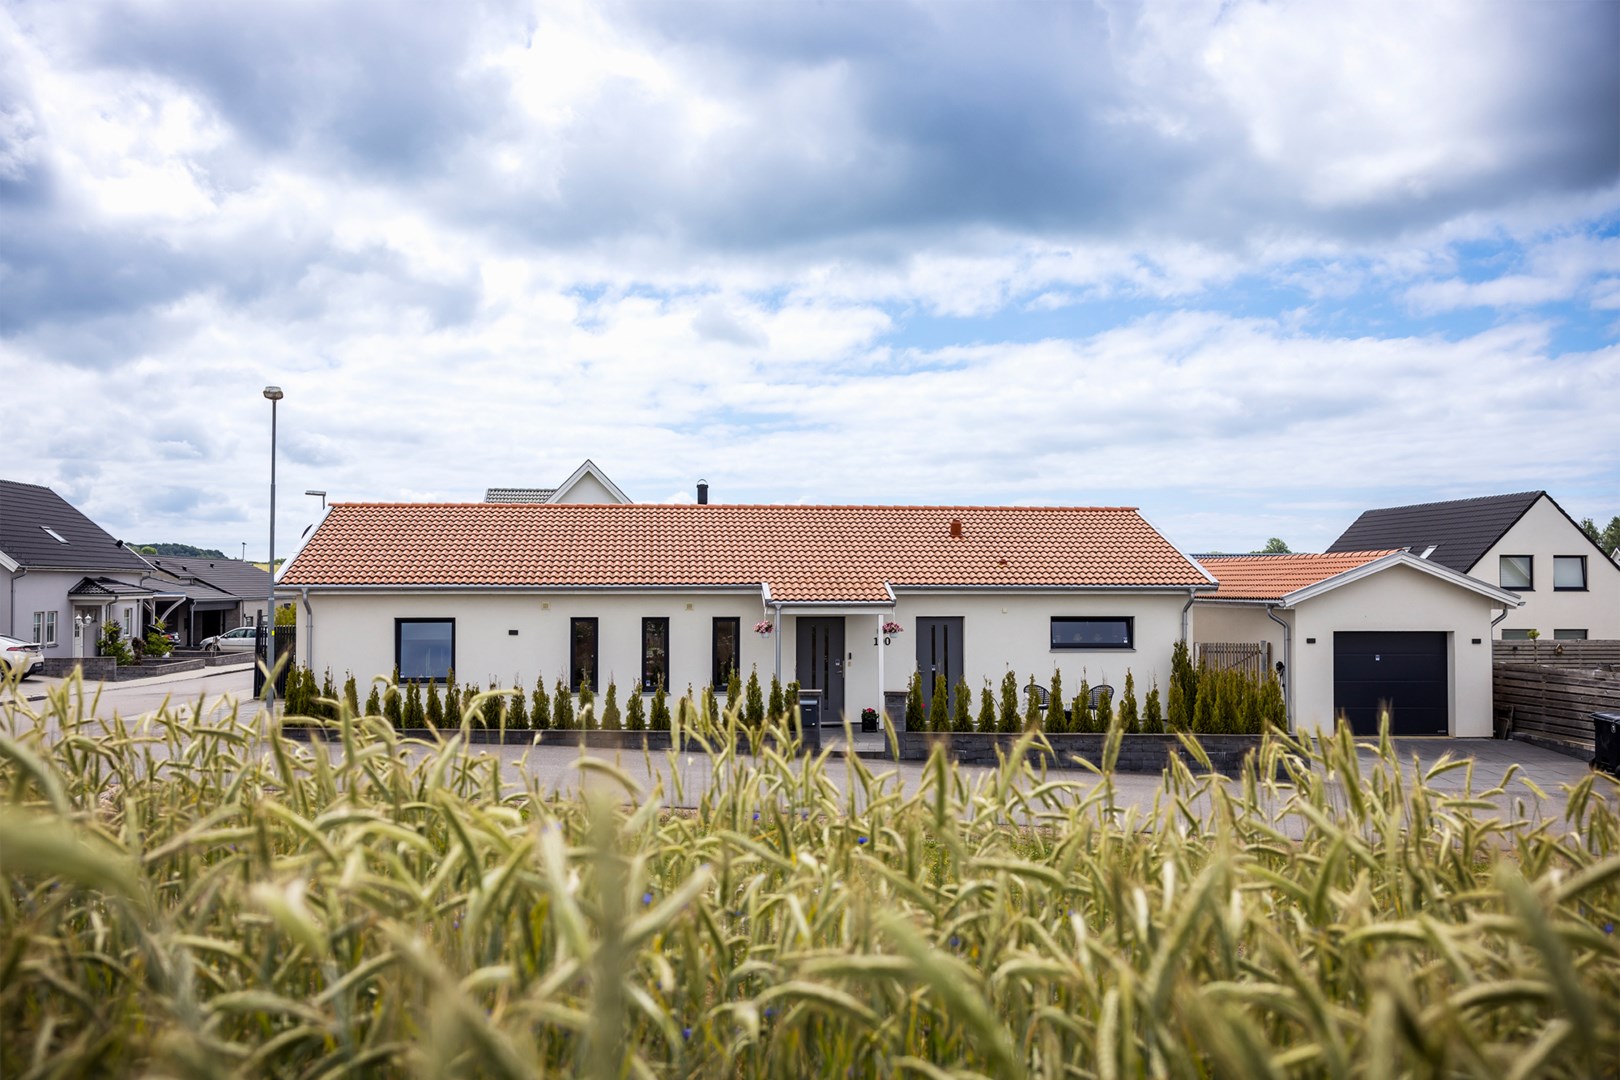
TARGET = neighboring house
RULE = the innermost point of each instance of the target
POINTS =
(643, 594)
(1524, 543)
(199, 597)
(587, 484)
(64, 577)
(1355, 632)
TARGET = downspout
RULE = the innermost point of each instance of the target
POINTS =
(1496, 621)
(776, 618)
(23, 572)
(1288, 663)
(309, 636)
(1192, 595)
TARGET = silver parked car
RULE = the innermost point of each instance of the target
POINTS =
(242, 639)
(19, 655)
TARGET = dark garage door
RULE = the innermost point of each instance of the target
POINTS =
(1404, 672)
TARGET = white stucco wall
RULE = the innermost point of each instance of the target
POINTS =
(1542, 533)
(355, 633)
(588, 489)
(1396, 599)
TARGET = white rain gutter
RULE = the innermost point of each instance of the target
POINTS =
(1287, 675)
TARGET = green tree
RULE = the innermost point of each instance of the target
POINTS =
(1152, 716)
(916, 715)
(660, 707)
(1607, 538)
(635, 711)
(587, 707)
(1056, 719)
(611, 717)
(540, 705)
(1032, 707)
(939, 708)
(329, 697)
(432, 707)
(1082, 718)
(413, 704)
(734, 691)
(754, 710)
(374, 702)
(562, 709)
(962, 714)
(1275, 546)
(351, 696)
(711, 710)
(1183, 676)
(1008, 718)
(776, 707)
(987, 708)
(1127, 704)
(517, 708)
(452, 701)
(392, 703)
(1274, 706)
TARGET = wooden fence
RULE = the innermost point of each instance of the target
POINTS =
(1253, 657)
(1569, 654)
(1551, 702)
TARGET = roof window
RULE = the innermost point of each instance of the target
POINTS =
(58, 537)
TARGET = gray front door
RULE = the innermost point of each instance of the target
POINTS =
(821, 664)
(939, 652)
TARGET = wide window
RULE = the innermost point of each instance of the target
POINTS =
(424, 649)
(1093, 632)
(45, 627)
(1515, 635)
(654, 654)
(726, 651)
(1569, 573)
(1569, 635)
(582, 640)
(1518, 572)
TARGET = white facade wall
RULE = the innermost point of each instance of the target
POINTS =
(588, 489)
(354, 633)
(1542, 533)
(1396, 599)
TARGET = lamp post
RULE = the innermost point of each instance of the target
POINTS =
(273, 395)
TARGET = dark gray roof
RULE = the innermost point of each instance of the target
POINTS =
(1461, 530)
(27, 510)
(106, 586)
(232, 576)
(518, 495)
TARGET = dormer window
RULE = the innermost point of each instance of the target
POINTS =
(54, 535)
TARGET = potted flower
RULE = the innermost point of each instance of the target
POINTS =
(763, 627)
(869, 720)
(892, 627)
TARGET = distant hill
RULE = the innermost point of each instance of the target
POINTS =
(180, 550)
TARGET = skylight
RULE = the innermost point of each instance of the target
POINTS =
(58, 537)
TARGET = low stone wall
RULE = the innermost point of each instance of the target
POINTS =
(634, 741)
(151, 669)
(94, 668)
(1137, 753)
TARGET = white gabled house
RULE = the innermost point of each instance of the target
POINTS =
(1524, 543)
(1352, 633)
(641, 593)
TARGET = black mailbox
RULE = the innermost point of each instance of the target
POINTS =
(810, 709)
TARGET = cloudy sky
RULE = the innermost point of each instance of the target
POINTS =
(1252, 267)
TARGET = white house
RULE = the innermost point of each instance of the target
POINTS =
(1524, 543)
(1357, 632)
(586, 484)
(643, 593)
(63, 577)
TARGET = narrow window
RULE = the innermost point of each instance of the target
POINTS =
(727, 636)
(50, 628)
(1569, 573)
(1518, 572)
(654, 654)
(1569, 635)
(424, 649)
(1093, 632)
(1515, 635)
(582, 658)
(39, 628)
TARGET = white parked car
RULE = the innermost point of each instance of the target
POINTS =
(19, 655)
(242, 639)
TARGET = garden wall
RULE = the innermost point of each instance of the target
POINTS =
(1542, 702)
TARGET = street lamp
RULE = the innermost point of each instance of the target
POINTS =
(272, 394)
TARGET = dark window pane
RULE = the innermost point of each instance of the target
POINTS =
(582, 653)
(727, 636)
(1076, 632)
(1517, 571)
(654, 654)
(425, 648)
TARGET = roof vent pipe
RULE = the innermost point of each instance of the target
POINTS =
(703, 493)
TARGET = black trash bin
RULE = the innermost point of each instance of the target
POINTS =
(1606, 742)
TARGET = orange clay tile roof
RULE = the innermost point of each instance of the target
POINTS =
(804, 553)
(1272, 577)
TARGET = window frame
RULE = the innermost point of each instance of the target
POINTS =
(718, 679)
(574, 623)
(399, 640)
(1511, 634)
(648, 622)
(1529, 573)
(1581, 561)
(1570, 634)
(1128, 645)
(45, 629)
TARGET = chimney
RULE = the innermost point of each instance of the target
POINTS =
(703, 493)
(956, 528)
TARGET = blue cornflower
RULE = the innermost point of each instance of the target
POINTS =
(860, 840)
(646, 898)
(686, 1033)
